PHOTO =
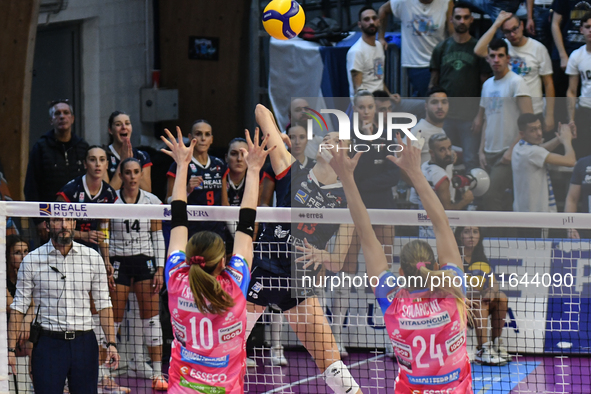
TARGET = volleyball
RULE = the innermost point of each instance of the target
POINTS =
(283, 19)
(479, 275)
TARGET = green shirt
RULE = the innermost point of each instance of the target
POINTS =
(459, 74)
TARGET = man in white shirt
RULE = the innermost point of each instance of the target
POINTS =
(504, 97)
(529, 59)
(423, 26)
(579, 69)
(59, 277)
(436, 108)
(531, 179)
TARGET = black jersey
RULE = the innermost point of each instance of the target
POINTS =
(114, 159)
(297, 187)
(235, 193)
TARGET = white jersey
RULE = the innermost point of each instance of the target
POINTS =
(131, 237)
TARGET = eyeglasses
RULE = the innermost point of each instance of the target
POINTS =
(508, 32)
(58, 101)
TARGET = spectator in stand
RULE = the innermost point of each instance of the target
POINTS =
(298, 116)
(11, 228)
(439, 172)
(579, 191)
(542, 16)
(366, 58)
(486, 299)
(504, 97)
(424, 25)
(529, 59)
(456, 68)
(56, 159)
(436, 108)
(578, 70)
(530, 159)
(566, 32)
(119, 149)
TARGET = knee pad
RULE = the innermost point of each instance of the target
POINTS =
(98, 331)
(152, 331)
(339, 379)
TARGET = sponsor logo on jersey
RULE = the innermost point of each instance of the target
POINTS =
(402, 349)
(180, 332)
(319, 197)
(208, 377)
(587, 179)
(193, 167)
(217, 175)
(588, 169)
(425, 323)
(301, 196)
(185, 370)
(404, 364)
(81, 197)
(258, 286)
(116, 265)
(391, 295)
(455, 326)
(304, 186)
(237, 262)
(201, 388)
(230, 317)
(229, 333)
(436, 379)
(453, 344)
(449, 390)
(187, 305)
(237, 275)
(187, 293)
(212, 362)
(421, 309)
(396, 334)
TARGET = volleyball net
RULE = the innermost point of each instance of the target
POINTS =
(545, 277)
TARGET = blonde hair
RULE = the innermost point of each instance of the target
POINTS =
(420, 251)
(207, 291)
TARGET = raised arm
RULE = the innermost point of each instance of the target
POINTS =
(281, 159)
(383, 14)
(255, 159)
(182, 156)
(410, 162)
(481, 48)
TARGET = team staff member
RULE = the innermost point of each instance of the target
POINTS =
(59, 277)
(206, 291)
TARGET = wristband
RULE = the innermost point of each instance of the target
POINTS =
(11, 350)
(178, 210)
(111, 344)
(246, 221)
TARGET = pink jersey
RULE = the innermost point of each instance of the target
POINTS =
(209, 351)
(428, 337)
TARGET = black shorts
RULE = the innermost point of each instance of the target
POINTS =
(138, 268)
(267, 288)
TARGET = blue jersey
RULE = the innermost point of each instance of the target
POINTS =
(114, 159)
(297, 187)
(208, 193)
(77, 191)
(375, 176)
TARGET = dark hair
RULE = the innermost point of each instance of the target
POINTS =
(433, 90)
(478, 252)
(112, 117)
(497, 44)
(437, 138)
(199, 121)
(362, 10)
(462, 5)
(91, 147)
(381, 94)
(12, 240)
(361, 93)
(525, 119)
(53, 103)
(129, 160)
(237, 139)
(586, 16)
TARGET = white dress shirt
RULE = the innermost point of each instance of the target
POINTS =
(60, 286)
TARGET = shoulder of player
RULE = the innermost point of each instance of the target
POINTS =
(217, 161)
(149, 198)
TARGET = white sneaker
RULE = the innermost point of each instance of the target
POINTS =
(139, 369)
(277, 356)
(342, 350)
(488, 356)
(390, 351)
(250, 363)
(501, 350)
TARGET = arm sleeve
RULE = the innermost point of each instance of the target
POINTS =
(172, 171)
(24, 288)
(521, 88)
(100, 287)
(561, 7)
(546, 62)
(238, 270)
(385, 291)
(395, 5)
(436, 57)
(578, 172)
(537, 156)
(572, 67)
(145, 159)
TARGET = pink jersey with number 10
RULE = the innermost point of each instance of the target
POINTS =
(209, 351)
(428, 336)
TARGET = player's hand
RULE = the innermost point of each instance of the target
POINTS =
(468, 197)
(127, 150)
(531, 27)
(395, 97)
(194, 182)
(177, 150)
(506, 159)
(286, 140)
(110, 275)
(482, 159)
(367, 128)
(563, 62)
(409, 159)
(158, 280)
(573, 233)
(564, 133)
(341, 163)
(92, 236)
(384, 43)
(256, 154)
(12, 362)
(573, 128)
(112, 357)
(549, 123)
(312, 256)
(25, 333)
(501, 18)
